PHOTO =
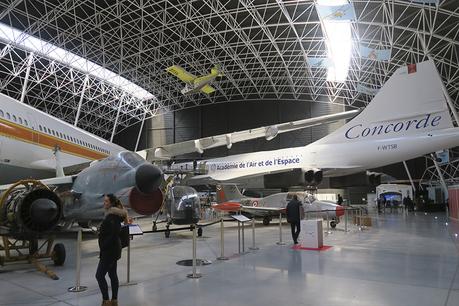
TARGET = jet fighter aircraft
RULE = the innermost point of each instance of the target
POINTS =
(229, 198)
(194, 84)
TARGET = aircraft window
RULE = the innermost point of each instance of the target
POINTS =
(1, 113)
(60, 135)
(14, 118)
(26, 123)
(39, 126)
(52, 131)
(20, 120)
(8, 116)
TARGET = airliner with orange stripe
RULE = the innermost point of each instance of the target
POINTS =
(29, 137)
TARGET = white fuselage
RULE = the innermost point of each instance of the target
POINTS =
(334, 158)
(28, 138)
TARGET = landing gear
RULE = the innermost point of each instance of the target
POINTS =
(333, 224)
(167, 233)
(31, 250)
(33, 246)
(199, 231)
(266, 220)
(58, 255)
(154, 228)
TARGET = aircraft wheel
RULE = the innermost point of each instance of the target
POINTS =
(58, 255)
(154, 228)
(167, 233)
(266, 220)
(333, 224)
(200, 232)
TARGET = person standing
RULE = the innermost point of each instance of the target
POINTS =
(110, 248)
(340, 200)
(293, 211)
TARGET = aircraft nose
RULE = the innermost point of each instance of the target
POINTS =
(339, 210)
(43, 210)
(148, 178)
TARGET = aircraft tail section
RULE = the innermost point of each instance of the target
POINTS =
(410, 102)
(228, 192)
(216, 71)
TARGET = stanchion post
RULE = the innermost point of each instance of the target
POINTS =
(243, 239)
(222, 241)
(194, 274)
(345, 220)
(238, 237)
(78, 287)
(280, 230)
(128, 265)
(253, 236)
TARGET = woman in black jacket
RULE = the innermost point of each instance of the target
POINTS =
(110, 248)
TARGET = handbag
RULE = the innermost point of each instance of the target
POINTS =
(124, 236)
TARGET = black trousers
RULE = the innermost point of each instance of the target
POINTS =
(296, 228)
(107, 266)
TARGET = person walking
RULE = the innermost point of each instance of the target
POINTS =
(110, 248)
(294, 213)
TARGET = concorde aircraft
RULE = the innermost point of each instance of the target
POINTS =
(229, 196)
(408, 117)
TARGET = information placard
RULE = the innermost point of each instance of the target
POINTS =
(240, 218)
(134, 229)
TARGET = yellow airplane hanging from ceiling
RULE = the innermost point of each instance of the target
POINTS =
(193, 83)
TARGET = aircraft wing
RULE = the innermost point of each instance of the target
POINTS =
(55, 181)
(269, 132)
(207, 89)
(181, 73)
(263, 211)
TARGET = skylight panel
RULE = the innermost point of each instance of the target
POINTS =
(18, 38)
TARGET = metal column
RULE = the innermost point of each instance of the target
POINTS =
(440, 175)
(117, 117)
(409, 176)
(140, 132)
(26, 80)
(86, 80)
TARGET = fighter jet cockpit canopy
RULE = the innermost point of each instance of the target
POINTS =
(184, 204)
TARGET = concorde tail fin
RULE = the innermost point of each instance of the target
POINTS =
(410, 102)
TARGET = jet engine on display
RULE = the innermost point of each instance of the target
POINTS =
(29, 210)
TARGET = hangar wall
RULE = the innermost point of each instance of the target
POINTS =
(235, 116)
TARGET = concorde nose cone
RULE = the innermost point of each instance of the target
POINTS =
(148, 178)
(43, 211)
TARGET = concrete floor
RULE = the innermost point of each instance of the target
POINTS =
(404, 259)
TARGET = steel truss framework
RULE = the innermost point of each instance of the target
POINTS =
(260, 45)
(449, 170)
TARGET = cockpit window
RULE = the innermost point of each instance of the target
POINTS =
(132, 159)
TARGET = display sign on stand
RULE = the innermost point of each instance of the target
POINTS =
(134, 230)
(241, 219)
